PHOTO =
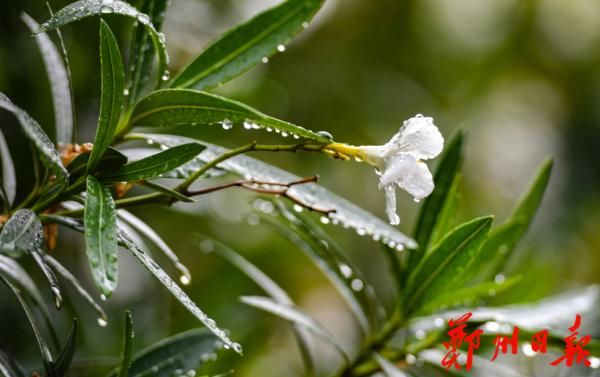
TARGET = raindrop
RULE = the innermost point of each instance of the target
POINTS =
(253, 219)
(305, 25)
(125, 92)
(325, 134)
(237, 347)
(411, 359)
(296, 136)
(143, 19)
(400, 247)
(499, 279)
(103, 297)
(325, 219)
(162, 38)
(102, 322)
(439, 322)
(185, 279)
(227, 124)
(166, 75)
(417, 200)
(281, 48)
(357, 285)
(269, 129)
(298, 208)
(265, 60)
(528, 350)
(247, 124)
(492, 326)
(57, 296)
(345, 270)
(420, 334)
(105, 9)
(207, 246)
(594, 362)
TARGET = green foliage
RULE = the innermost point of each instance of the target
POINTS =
(445, 266)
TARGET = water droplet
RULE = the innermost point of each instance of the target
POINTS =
(400, 247)
(325, 134)
(298, 208)
(227, 124)
(57, 297)
(207, 246)
(296, 136)
(162, 38)
(253, 219)
(184, 279)
(166, 75)
(439, 322)
(528, 350)
(594, 362)
(345, 270)
(411, 359)
(237, 347)
(499, 279)
(125, 92)
(284, 134)
(325, 219)
(102, 322)
(247, 124)
(265, 60)
(417, 200)
(305, 25)
(357, 285)
(143, 18)
(103, 297)
(281, 48)
(420, 334)
(105, 9)
(269, 129)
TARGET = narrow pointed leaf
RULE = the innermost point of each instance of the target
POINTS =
(59, 82)
(346, 213)
(128, 338)
(111, 99)
(40, 260)
(101, 235)
(140, 51)
(85, 8)
(65, 357)
(167, 191)
(36, 134)
(175, 290)
(112, 159)
(389, 369)
(22, 234)
(447, 217)
(272, 289)
(170, 107)
(151, 235)
(41, 342)
(247, 44)
(9, 366)
(504, 239)
(444, 268)
(444, 178)
(467, 296)
(9, 179)
(297, 316)
(66, 274)
(186, 351)
(155, 165)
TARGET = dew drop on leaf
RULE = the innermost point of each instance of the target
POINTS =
(102, 322)
(281, 48)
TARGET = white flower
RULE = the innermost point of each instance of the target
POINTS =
(399, 161)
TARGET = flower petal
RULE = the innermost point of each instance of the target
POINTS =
(390, 204)
(419, 137)
(408, 173)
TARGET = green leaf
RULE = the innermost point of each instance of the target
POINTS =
(111, 100)
(65, 357)
(9, 179)
(447, 217)
(247, 44)
(140, 51)
(67, 275)
(112, 159)
(429, 215)
(346, 213)
(36, 134)
(170, 107)
(388, 368)
(40, 259)
(467, 296)
(85, 8)
(128, 338)
(328, 257)
(167, 191)
(9, 367)
(444, 267)
(183, 352)
(168, 283)
(155, 165)
(149, 233)
(41, 342)
(297, 316)
(272, 289)
(22, 234)
(101, 235)
(502, 240)
(59, 82)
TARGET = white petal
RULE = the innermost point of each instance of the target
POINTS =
(390, 204)
(419, 137)
(410, 174)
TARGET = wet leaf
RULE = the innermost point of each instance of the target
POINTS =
(389, 369)
(297, 316)
(170, 107)
(65, 357)
(22, 234)
(155, 165)
(111, 98)
(128, 338)
(9, 179)
(59, 82)
(101, 236)
(36, 134)
(247, 44)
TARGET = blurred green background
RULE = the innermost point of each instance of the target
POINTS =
(522, 77)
